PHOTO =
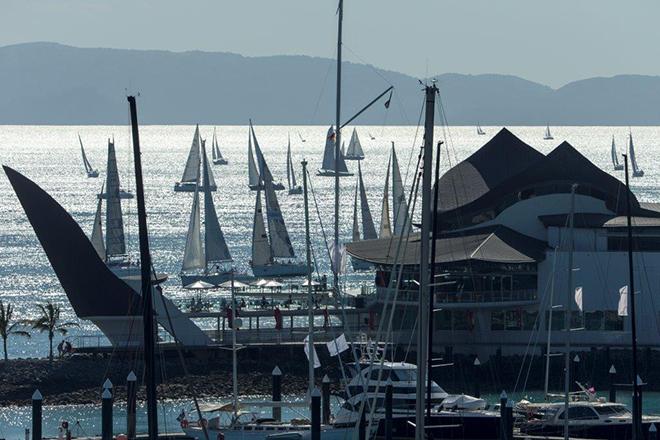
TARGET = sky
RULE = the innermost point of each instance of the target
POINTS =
(551, 42)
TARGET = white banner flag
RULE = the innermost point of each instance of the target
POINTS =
(623, 301)
(338, 345)
(578, 297)
(317, 363)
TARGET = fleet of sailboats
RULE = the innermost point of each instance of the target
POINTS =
(354, 151)
(218, 159)
(190, 176)
(91, 172)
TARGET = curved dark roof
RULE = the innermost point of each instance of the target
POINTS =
(92, 289)
(500, 158)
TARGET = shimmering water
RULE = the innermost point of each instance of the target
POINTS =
(50, 155)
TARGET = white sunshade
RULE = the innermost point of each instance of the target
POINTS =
(314, 283)
(237, 285)
(273, 283)
(199, 284)
(261, 283)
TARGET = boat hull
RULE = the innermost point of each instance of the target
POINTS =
(276, 186)
(296, 190)
(271, 432)
(459, 426)
(220, 162)
(353, 157)
(331, 173)
(94, 173)
(190, 187)
(611, 431)
(639, 173)
(122, 195)
(280, 270)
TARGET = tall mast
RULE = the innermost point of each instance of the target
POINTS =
(424, 261)
(234, 361)
(310, 300)
(636, 403)
(569, 311)
(335, 272)
(548, 347)
(145, 269)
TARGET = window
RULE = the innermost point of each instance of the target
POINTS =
(406, 375)
(461, 320)
(529, 319)
(557, 319)
(613, 321)
(384, 375)
(580, 413)
(593, 320)
(497, 321)
(442, 320)
(513, 320)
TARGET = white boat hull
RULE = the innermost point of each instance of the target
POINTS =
(331, 173)
(189, 187)
(123, 194)
(280, 270)
(327, 433)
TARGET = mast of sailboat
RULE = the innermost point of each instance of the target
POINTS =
(145, 269)
(569, 311)
(234, 361)
(310, 299)
(547, 345)
(336, 256)
(636, 401)
(422, 335)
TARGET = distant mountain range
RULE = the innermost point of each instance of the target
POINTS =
(48, 83)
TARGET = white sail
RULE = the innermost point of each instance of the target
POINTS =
(356, 226)
(368, 229)
(191, 172)
(261, 252)
(354, 147)
(193, 255)
(615, 157)
(253, 173)
(400, 206)
(88, 166)
(262, 166)
(548, 135)
(289, 167)
(385, 226)
(97, 230)
(211, 180)
(633, 160)
(280, 242)
(329, 154)
(114, 223)
(342, 149)
(214, 240)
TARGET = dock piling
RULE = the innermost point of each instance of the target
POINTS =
(653, 432)
(316, 414)
(131, 404)
(37, 401)
(277, 392)
(612, 384)
(325, 399)
(389, 391)
(509, 420)
(503, 427)
(106, 415)
(477, 377)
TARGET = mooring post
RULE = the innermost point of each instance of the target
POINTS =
(653, 432)
(316, 414)
(362, 424)
(612, 384)
(477, 377)
(509, 420)
(37, 401)
(131, 404)
(325, 399)
(277, 392)
(389, 391)
(503, 427)
(575, 376)
(107, 385)
(640, 384)
(106, 415)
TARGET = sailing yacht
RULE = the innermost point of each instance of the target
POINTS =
(400, 216)
(368, 228)
(547, 136)
(385, 230)
(615, 157)
(354, 151)
(371, 136)
(480, 131)
(215, 149)
(328, 166)
(113, 174)
(276, 244)
(255, 180)
(637, 171)
(91, 172)
(205, 259)
(294, 188)
(190, 176)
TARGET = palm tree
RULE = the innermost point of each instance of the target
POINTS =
(7, 327)
(49, 321)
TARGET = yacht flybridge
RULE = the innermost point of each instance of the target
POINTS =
(188, 181)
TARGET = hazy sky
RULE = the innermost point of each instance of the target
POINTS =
(552, 42)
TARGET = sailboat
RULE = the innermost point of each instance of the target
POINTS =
(371, 136)
(328, 166)
(615, 157)
(385, 230)
(480, 131)
(113, 175)
(637, 171)
(204, 259)
(91, 172)
(189, 179)
(354, 151)
(294, 188)
(302, 139)
(368, 228)
(215, 149)
(254, 172)
(266, 247)
(402, 224)
(547, 136)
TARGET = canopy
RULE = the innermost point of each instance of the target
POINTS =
(199, 284)
(463, 401)
(261, 283)
(273, 283)
(237, 285)
(221, 407)
(314, 283)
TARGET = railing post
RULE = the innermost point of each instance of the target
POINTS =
(503, 424)
(612, 384)
(131, 404)
(325, 394)
(106, 415)
(277, 392)
(37, 414)
(316, 414)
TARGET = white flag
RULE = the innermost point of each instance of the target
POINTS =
(339, 257)
(578, 297)
(623, 301)
(317, 363)
(338, 345)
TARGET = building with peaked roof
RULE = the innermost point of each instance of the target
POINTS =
(502, 252)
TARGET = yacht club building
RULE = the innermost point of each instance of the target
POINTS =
(503, 252)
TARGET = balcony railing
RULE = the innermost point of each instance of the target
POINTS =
(481, 296)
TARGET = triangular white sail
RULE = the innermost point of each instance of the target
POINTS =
(214, 240)
(633, 160)
(191, 172)
(615, 157)
(342, 149)
(329, 154)
(262, 166)
(253, 173)
(356, 226)
(97, 230)
(114, 223)
(548, 135)
(215, 148)
(88, 166)
(400, 206)
(368, 229)
(193, 255)
(385, 226)
(261, 252)
(354, 150)
(211, 180)
(290, 176)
